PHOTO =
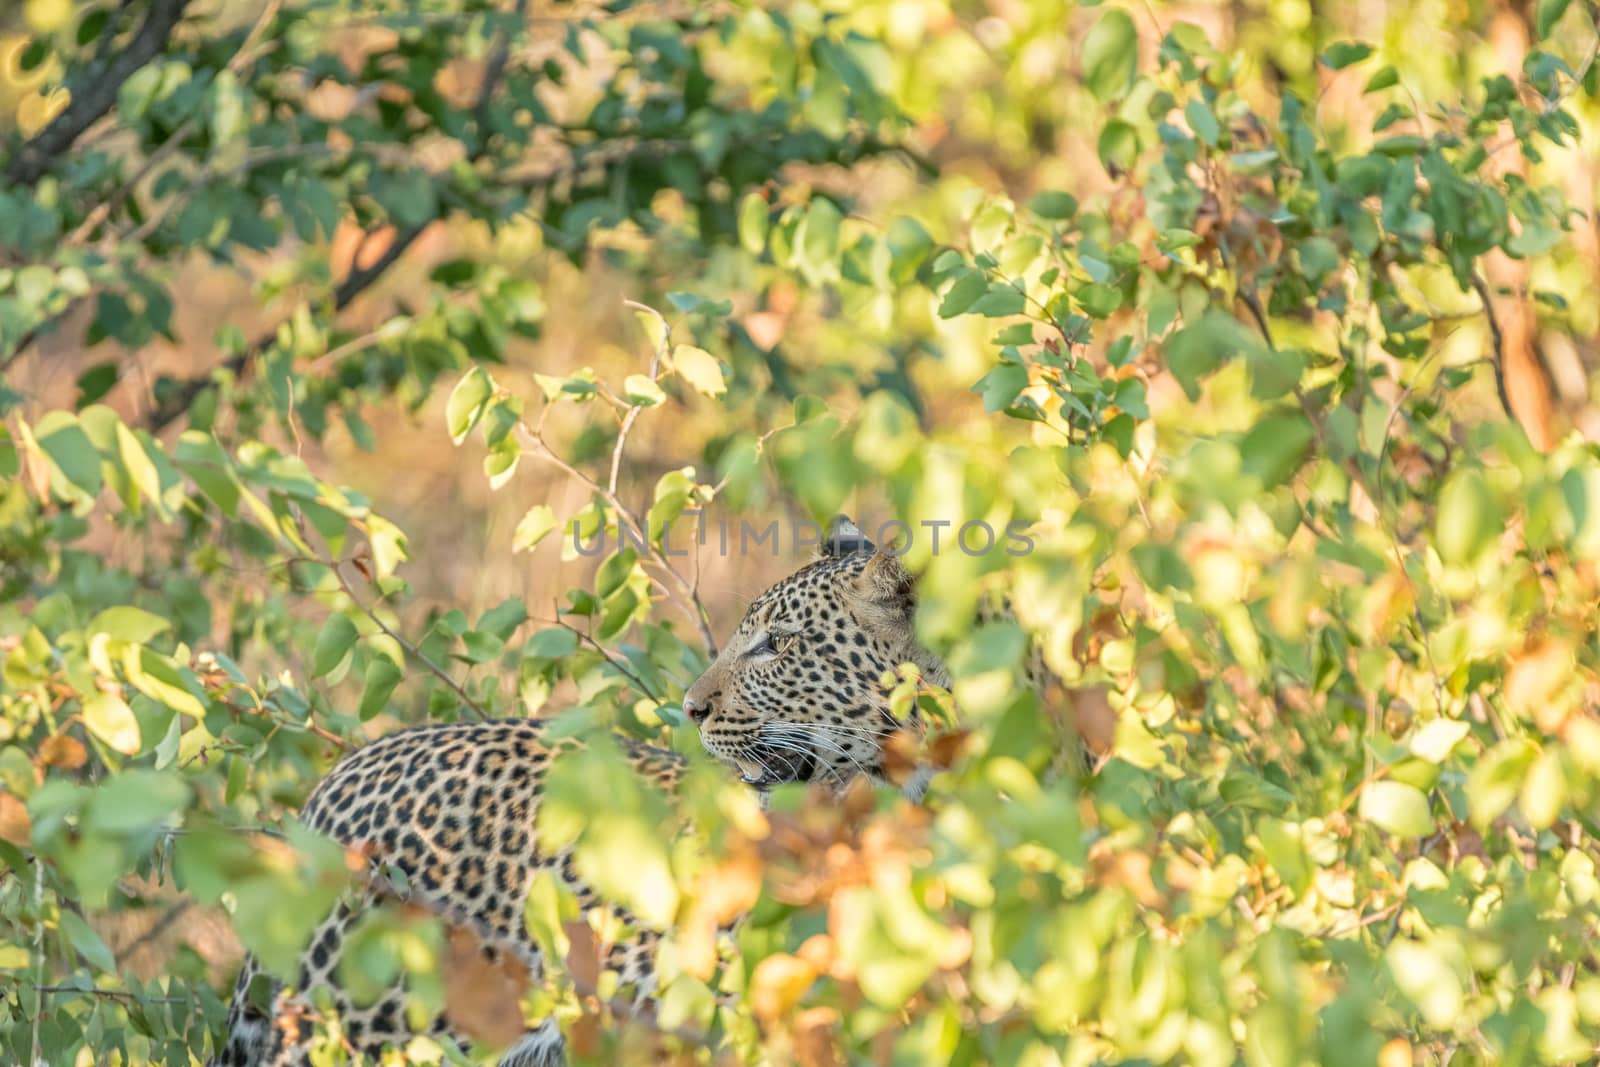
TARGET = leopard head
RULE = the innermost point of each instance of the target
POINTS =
(796, 693)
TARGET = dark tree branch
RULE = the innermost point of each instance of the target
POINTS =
(94, 94)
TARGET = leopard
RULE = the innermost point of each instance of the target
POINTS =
(451, 808)
(795, 695)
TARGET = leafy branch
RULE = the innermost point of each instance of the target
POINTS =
(93, 93)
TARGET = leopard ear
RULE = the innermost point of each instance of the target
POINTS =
(886, 582)
(844, 538)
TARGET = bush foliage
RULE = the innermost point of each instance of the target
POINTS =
(1247, 323)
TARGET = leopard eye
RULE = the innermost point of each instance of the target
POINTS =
(771, 644)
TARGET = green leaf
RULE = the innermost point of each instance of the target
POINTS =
(999, 300)
(503, 619)
(1468, 520)
(69, 448)
(334, 642)
(1548, 14)
(642, 391)
(1274, 449)
(87, 943)
(135, 801)
(1099, 299)
(1000, 387)
(1386, 78)
(408, 196)
(466, 403)
(127, 623)
(969, 287)
(1110, 55)
(533, 528)
(753, 215)
(1202, 121)
(1497, 778)
(388, 544)
(480, 647)
(379, 684)
(817, 240)
(1118, 147)
(1196, 351)
(501, 462)
(1054, 205)
(1397, 808)
(1544, 790)
(1421, 972)
(200, 457)
(139, 466)
(1248, 790)
(1344, 53)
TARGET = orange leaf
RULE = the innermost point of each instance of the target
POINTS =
(16, 826)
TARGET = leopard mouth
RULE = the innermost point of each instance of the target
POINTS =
(765, 768)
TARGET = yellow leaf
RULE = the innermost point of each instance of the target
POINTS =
(700, 369)
(111, 720)
(778, 984)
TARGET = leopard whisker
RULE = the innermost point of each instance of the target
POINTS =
(783, 745)
(797, 732)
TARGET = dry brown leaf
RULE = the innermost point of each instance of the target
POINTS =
(815, 1043)
(1128, 869)
(352, 248)
(482, 997)
(944, 750)
(1095, 720)
(16, 826)
(583, 955)
(63, 751)
(583, 1037)
(766, 329)
(900, 756)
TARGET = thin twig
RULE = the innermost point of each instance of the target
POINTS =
(1497, 340)
(620, 665)
(38, 950)
(655, 373)
(411, 650)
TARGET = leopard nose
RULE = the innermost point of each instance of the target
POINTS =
(697, 710)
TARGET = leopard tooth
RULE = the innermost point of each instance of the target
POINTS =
(750, 769)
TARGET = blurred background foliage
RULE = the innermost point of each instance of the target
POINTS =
(1275, 319)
